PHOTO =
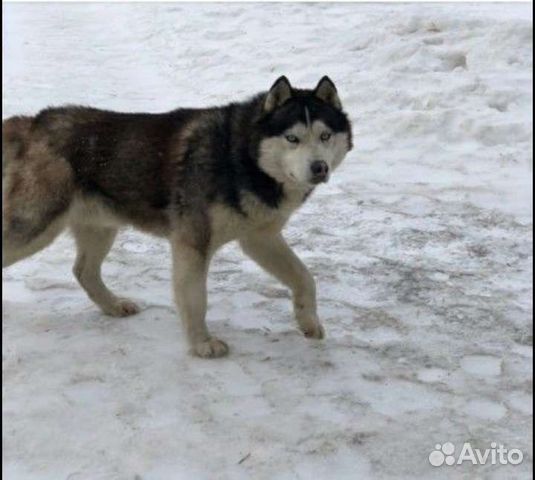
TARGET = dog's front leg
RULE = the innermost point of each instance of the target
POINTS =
(273, 254)
(190, 270)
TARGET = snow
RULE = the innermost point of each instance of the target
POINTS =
(482, 365)
(421, 246)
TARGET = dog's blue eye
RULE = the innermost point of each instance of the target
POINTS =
(292, 139)
(325, 136)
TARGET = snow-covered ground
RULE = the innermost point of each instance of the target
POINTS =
(421, 246)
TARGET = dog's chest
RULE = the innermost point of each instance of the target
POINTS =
(228, 224)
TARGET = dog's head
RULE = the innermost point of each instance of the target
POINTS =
(304, 134)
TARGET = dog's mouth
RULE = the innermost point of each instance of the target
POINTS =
(314, 181)
(318, 180)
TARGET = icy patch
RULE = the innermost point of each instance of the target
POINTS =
(521, 401)
(485, 410)
(482, 365)
(400, 397)
(381, 335)
(431, 375)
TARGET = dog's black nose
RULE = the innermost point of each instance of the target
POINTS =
(319, 170)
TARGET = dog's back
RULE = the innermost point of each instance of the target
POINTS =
(70, 163)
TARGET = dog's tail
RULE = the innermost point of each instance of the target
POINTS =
(15, 136)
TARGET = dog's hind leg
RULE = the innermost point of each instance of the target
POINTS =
(93, 244)
(37, 190)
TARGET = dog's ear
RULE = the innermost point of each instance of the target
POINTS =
(326, 91)
(278, 94)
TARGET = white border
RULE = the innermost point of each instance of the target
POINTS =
(527, 2)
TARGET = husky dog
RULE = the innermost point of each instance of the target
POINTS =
(199, 177)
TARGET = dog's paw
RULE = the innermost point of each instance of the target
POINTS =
(313, 330)
(212, 348)
(122, 307)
